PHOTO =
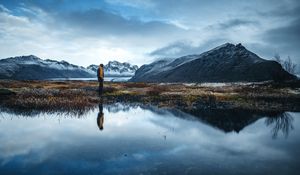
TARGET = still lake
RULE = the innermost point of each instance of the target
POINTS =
(138, 139)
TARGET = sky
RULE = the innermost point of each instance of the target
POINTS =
(85, 32)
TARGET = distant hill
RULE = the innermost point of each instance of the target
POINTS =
(226, 63)
(33, 68)
(115, 68)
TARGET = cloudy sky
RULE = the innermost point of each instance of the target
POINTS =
(140, 31)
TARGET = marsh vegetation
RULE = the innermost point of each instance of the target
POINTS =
(82, 95)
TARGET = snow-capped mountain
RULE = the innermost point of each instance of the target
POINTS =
(32, 67)
(226, 63)
(115, 68)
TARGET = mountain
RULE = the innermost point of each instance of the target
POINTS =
(31, 67)
(115, 68)
(226, 63)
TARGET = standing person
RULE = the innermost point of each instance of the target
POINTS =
(100, 75)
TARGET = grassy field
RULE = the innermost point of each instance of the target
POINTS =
(82, 95)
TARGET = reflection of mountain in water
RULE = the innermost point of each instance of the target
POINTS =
(233, 120)
(227, 120)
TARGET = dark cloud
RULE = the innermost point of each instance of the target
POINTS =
(99, 22)
(95, 19)
(236, 23)
(285, 39)
(285, 10)
(175, 49)
(182, 48)
(286, 35)
(232, 23)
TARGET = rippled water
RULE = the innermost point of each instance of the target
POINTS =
(148, 140)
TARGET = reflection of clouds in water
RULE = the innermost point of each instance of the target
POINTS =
(134, 132)
(131, 118)
(228, 142)
(23, 135)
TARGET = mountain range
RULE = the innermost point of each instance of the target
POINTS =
(115, 69)
(226, 63)
(33, 68)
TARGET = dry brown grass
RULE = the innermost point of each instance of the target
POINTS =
(135, 85)
(156, 90)
(73, 95)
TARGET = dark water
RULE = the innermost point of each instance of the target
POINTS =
(148, 140)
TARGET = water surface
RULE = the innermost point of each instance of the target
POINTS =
(126, 139)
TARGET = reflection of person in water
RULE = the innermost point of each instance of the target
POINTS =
(100, 118)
